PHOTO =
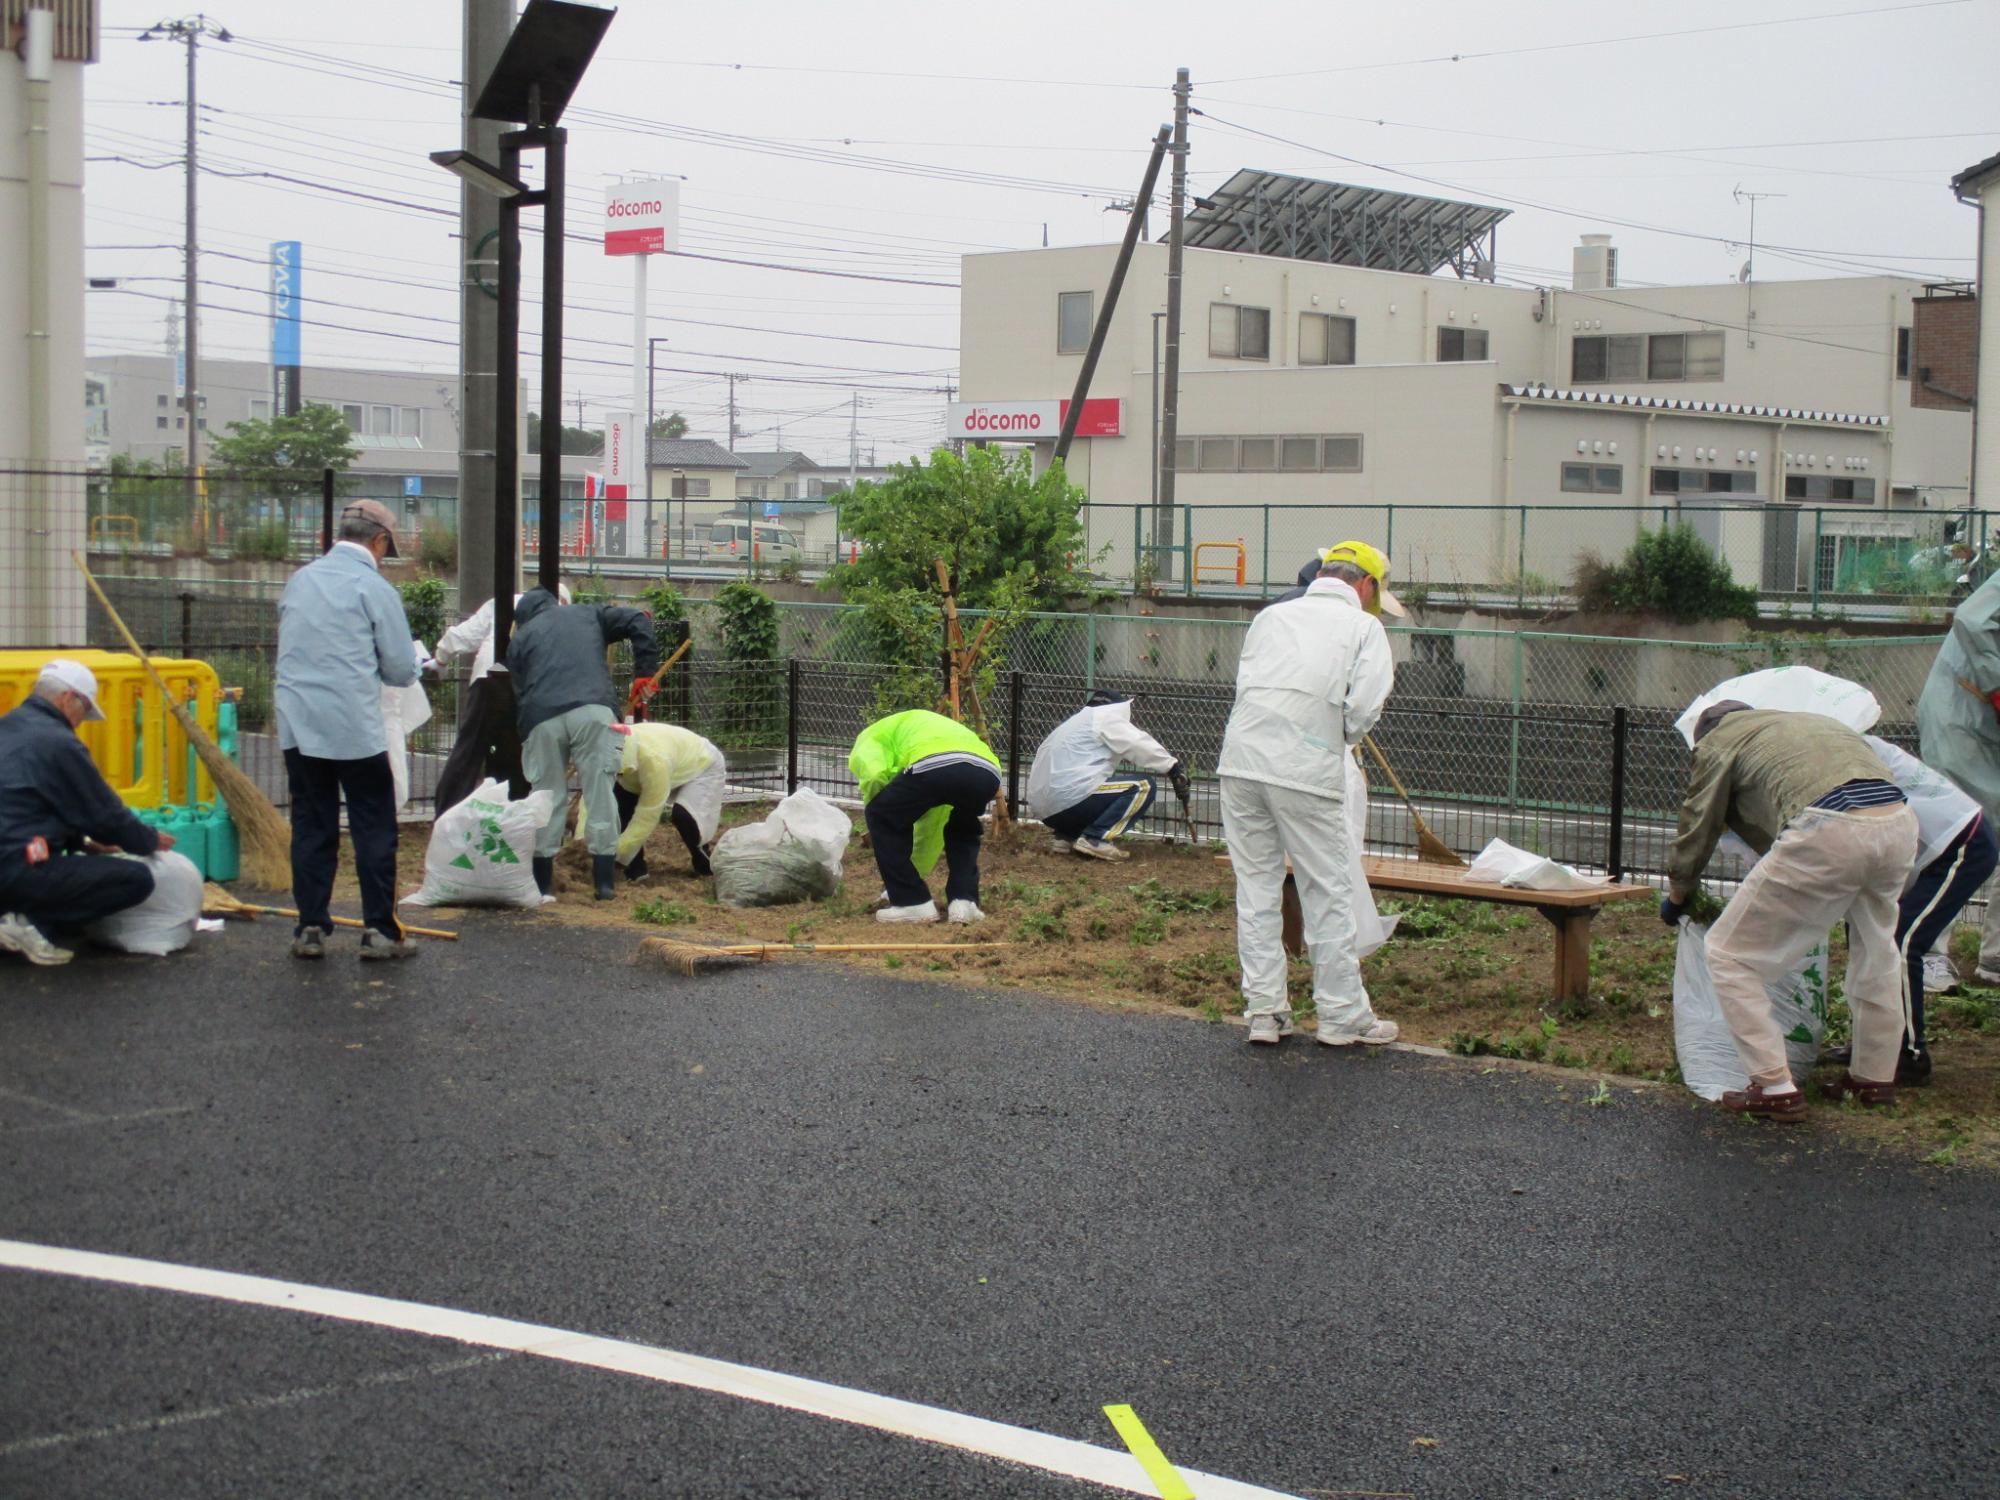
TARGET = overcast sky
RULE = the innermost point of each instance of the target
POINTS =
(882, 140)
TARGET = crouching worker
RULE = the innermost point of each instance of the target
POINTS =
(1072, 788)
(59, 821)
(925, 779)
(1836, 839)
(663, 767)
(566, 709)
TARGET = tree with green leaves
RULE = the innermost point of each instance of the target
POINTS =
(579, 440)
(284, 457)
(672, 425)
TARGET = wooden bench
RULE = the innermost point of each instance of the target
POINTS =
(1570, 912)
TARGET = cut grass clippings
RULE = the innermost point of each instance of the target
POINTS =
(1159, 930)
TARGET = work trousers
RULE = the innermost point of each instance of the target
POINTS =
(684, 823)
(1106, 813)
(582, 737)
(488, 744)
(370, 789)
(74, 890)
(892, 819)
(1823, 867)
(1932, 904)
(1264, 826)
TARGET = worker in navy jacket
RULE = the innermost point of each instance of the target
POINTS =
(60, 821)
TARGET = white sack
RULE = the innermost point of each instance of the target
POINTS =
(793, 855)
(164, 922)
(405, 710)
(1799, 690)
(1502, 864)
(481, 851)
(1370, 930)
(1703, 1044)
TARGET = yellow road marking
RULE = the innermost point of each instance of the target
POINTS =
(1166, 1479)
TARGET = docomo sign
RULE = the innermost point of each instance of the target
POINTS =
(621, 452)
(642, 218)
(1033, 421)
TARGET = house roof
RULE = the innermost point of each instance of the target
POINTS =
(1974, 176)
(779, 461)
(692, 453)
(1698, 408)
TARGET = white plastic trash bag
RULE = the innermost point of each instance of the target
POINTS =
(164, 922)
(405, 710)
(1371, 931)
(1799, 690)
(793, 855)
(1502, 864)
(481, 851)
(1703, 1045)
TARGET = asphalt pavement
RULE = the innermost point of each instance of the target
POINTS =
(1329, 1273)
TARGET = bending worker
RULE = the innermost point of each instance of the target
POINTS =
(925, 779)
(1835, 838)
(59, 820)
(566, 709)
(1071, 787)
(665, 768)
(1312, 680)
(1958, 727)
(465, 768)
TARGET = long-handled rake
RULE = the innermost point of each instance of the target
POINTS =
(1431, 849)
(216, 902)
(692, 958)
(267, 837)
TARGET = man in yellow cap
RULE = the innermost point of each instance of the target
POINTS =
(1312, 680)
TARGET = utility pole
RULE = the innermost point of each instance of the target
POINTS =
(189, 31)
(853, 438)
(1163, 515)
(488, 23)
(732, 379)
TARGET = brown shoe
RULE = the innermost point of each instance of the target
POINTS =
(1860, 1090)
(1787, 1109)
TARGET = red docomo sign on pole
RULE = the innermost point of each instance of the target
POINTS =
(1032, 421)
(642, 218)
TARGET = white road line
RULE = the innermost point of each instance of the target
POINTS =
(237, 1408)
(48, 1104)
(1112, 1468)
(85, 1121)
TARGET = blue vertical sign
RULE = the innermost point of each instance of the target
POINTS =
(285, 342)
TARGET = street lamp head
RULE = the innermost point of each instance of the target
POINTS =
(481, 173)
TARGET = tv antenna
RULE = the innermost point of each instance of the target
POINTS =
(1748, 274)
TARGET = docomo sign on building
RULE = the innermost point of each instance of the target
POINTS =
(643, 218)
(1032, 421)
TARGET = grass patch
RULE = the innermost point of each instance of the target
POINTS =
(661, 912)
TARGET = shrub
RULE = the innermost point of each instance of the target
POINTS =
(665, 603)
(423, 604)
(437, 548)
(1671, 572)
(753, 711)
(269, 542)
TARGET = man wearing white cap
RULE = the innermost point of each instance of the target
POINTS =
(60, 820)
(1312, 680)
(342, 634)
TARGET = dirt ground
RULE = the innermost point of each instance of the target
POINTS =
(1159, 931)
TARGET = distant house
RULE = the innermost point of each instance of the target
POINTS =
(693, 469)
(783, 474)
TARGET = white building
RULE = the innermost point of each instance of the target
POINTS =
(1324, 365)
(41, 318)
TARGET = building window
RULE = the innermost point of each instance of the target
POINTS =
(1239, 332)
(1073, 319)
(1456, 345)
(410, 422)
(1704, 482)
(382, 421)
(1639, 356)
(1826, 487)
(163, 400)
(1299, 454)
(180, 424)
(160, 422)
(1593, 479)
(1325, 339)
(697, 489)
(1218, 455)
(1262, 455)
(1902, 354)
(1340, 455)
(1258, 454)
(260, 411)
(352, 415)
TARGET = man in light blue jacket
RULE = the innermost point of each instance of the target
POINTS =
(342, 634)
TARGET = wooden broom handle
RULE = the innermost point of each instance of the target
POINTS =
(660, 676)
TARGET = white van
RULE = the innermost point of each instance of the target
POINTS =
(747, 541)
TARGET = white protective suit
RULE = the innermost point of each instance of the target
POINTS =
(473, 636)
(1312, 680)
(1080, 755)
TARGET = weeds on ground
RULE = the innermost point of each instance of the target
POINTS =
(660, 912)
(1151, 896)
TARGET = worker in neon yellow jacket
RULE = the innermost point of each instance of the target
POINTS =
(925, 780)
(663, 767)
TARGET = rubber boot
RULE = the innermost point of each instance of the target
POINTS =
(545, 874)
(604, 870)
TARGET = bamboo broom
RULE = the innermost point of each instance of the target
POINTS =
(266, 836)
(216, 902)
(689, 958)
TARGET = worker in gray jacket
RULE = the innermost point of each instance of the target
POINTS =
(1958, 727)
(565, 706)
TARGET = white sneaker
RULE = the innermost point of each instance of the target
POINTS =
(1100, 849)
(1984, 975)
(1060, 846)
(19, 935)
(1940, 978)
(966, 911)
(1376, 1034)
(1269, 1027)
(925, 912)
